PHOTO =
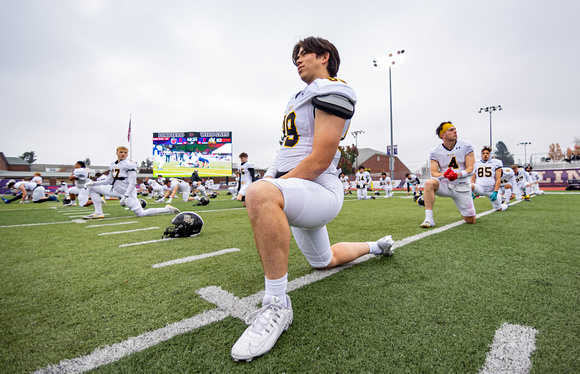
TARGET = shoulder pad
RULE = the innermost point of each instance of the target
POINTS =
(334, 104)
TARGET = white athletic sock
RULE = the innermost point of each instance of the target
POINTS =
(508, 194)
(374, 248)
(276, 287)
(429, 214)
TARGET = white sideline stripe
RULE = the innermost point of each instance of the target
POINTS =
(227, 305)
(147, 242)
(113, 224)
(511, 350)
(124, 232)
(194, 258)
(39, 224)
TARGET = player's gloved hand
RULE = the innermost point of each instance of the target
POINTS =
(123, 200)
(473, 196)
(89, 183)
(450, 174)
(493, 196)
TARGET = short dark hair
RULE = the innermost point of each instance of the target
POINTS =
(361, 167)
(243, 154)
(383, 173)
(82, 164)
(319, 46)
(486, 148)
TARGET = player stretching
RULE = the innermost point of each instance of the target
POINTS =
(486, 180)
(301, 189)
(451, 165)
(120, 182)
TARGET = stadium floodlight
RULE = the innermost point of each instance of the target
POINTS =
(356, 134)
(525, 144)
(490, 109)
(396, 57)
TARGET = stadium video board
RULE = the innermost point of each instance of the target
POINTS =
(178, 154)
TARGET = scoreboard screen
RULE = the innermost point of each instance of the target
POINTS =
(178, 154)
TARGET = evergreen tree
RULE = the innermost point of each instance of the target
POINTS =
(147, 164)
(29, 157)
(87, 161)
(502, 153)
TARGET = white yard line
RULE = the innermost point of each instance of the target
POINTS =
(112, 224)
(124, 232)
(511, 350)
(195, 258)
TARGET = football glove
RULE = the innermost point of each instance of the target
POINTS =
(450, 174)
(493, 196)
(123, 200)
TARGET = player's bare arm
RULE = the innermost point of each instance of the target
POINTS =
(435, 172)
(469, 163)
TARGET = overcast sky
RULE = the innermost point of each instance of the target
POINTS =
(72, 71)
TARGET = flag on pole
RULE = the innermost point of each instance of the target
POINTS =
(129, 133)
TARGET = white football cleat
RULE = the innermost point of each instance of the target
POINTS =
(386, 244)
(266, 326)
(94, 216)
(172, 209)
(427, 223)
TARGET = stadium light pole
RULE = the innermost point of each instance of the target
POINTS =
(356, 134)
(389, 60)
(525, 144)
(490, 109)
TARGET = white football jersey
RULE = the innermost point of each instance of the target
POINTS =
(344, 180)
(522, 177)
(298, 126)
(123, 175)
(535, 176)
(452, 158)
(363, 179)
(81, 175)
(245, 175)
(385, 182)
(507, 177)
(28, 186)
(485, 171)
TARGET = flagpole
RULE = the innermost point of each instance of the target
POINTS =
(130, 139)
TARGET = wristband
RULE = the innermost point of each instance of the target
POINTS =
(463, 174)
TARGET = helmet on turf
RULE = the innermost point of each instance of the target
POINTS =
(421, 201)
(143, 203)
(186, 224)
(214, 195)
(203, 201)
(66, 201)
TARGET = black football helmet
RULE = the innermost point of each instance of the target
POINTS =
(66, 201)
(213, 195)
(203, 201)
(143, 203)
(421, 201)
(186, 224)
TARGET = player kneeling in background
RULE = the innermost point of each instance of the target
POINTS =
(451, 165)
(487, 179)
(120, 183)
